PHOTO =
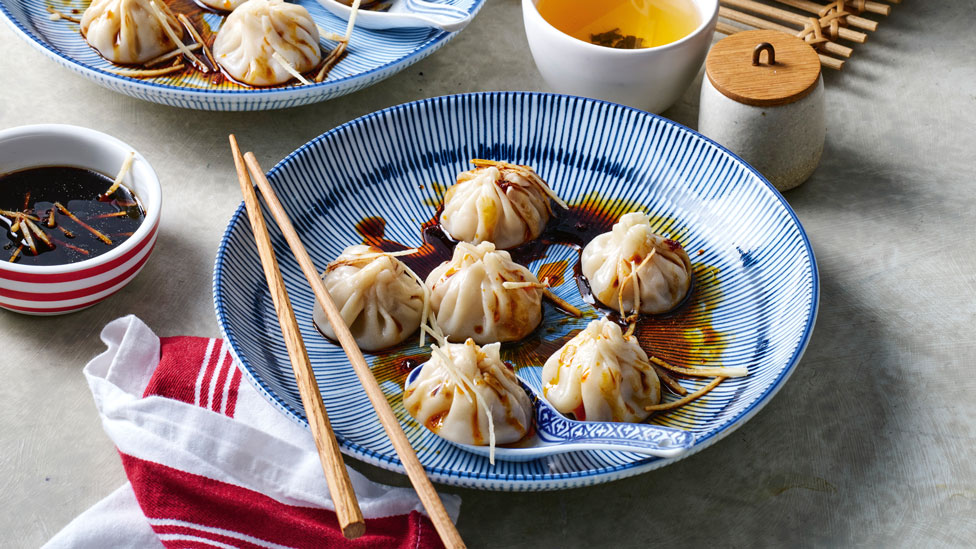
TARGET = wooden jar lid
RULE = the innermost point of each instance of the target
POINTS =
(794, 74)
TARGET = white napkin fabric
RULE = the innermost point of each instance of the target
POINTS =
(207, 456)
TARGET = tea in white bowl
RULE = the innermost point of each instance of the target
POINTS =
(624, 24)
(650, 76)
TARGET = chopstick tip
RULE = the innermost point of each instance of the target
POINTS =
(354, 530)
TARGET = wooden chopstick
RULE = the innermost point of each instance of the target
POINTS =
(340, 487)
(415, 471)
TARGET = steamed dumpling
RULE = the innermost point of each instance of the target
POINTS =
(632, 270)
(469, 298)
(601, 375)
(381, 303)
(224, 5)
(496, 202)
(128, 31)
(256, 30)
(438, 396)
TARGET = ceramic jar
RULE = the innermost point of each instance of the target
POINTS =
(763, 99)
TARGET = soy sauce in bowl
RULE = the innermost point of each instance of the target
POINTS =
(56, 215)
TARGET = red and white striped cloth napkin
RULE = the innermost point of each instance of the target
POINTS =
(211, 464)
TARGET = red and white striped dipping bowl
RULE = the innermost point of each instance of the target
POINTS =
(59, 289)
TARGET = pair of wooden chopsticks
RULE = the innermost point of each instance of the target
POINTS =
(347, 508)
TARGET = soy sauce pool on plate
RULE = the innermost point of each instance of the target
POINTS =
(70, 210)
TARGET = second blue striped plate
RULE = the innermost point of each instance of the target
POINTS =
(372, 56)
(757, 287)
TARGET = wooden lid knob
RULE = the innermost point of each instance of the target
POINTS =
(763, 68)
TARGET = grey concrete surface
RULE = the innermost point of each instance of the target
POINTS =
(871, 443)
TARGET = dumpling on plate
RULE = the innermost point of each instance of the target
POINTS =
(259, 34)
(376, 294)
(223, 5)
(466, 394)
(480, 293)
(128, 31)
(497, 202)
(601, 374)
(632, 270)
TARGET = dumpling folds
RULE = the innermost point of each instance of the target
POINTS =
(469, 298)
(601, 375)
(378, 298)
(255, 31)
(505, 204)
(633, 270)
(439, 399)
(128, 31)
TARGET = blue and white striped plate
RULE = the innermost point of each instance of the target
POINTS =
(756, 279)
(372, 56)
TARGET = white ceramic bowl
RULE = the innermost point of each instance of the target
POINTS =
(651, 79)
(57, 289)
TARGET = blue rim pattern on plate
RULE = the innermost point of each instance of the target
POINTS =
(373, 56)
(384, 164)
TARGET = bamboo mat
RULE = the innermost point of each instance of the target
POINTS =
(833, 28)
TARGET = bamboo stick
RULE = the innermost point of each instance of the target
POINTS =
(831, 62)
(387, 418)
(760, 23)
(726, 28)
(790, 17)
(815, 9)
(349, 515)
(876, 7)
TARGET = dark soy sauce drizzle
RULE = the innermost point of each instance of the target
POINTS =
(396, 366)
(437, 247)
(80, 191)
